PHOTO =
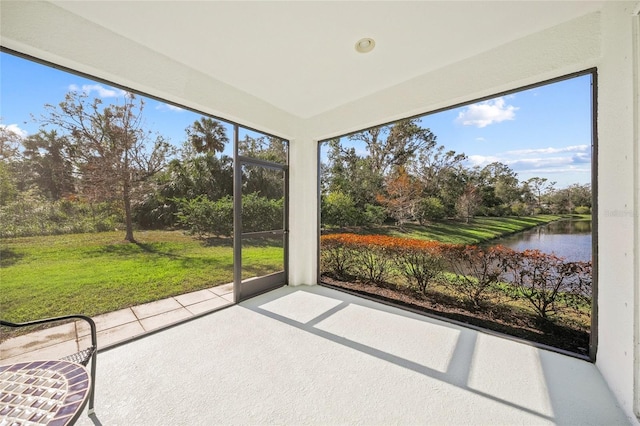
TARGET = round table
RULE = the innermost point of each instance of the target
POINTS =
(46, 392)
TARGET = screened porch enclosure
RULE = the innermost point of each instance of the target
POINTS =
(293, 69)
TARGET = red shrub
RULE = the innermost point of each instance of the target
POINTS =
(476, 269)
(544, 279)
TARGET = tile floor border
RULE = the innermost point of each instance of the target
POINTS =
(117, 327)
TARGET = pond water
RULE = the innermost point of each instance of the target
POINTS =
(570, 239)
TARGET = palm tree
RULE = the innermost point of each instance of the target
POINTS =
(207, 136)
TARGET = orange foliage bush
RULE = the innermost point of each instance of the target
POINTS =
(370, 257)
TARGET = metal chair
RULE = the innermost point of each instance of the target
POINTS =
(83, 357)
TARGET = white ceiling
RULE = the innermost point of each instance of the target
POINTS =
(299, 56)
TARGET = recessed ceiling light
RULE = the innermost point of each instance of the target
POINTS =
(365, 45)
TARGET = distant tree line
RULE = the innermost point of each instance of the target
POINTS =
(94, 167)
(405, 175)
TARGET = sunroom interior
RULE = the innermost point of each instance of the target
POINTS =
(291, 69)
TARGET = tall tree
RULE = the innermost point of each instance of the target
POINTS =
(499, 188)
(9, 144)
(580, 195)
(265, 148)
(452, 184)
(394, 145)
(539, 187)
(200, 175)
(401, 193)
(207, 135)
(9, 159)
(8, 187)
(351, 175)
(267, 183)
(47, 156)
(468, 202)
(567, 199)
(432, 167)
(110, 147)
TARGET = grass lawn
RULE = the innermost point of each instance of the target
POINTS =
(480, 229)
(97, 273)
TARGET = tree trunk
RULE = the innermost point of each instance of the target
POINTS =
(126, 198)
(127, 212)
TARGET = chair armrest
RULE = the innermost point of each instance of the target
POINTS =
(92, 325)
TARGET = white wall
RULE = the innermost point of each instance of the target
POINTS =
(618, 212)
(636, 114)
(602, 40)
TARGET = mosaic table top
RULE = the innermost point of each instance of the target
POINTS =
(49, 393)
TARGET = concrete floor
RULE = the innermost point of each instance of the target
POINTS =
(313, 355)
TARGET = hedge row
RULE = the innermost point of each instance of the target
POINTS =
(33, 215)
(204, 217)
(547, 282)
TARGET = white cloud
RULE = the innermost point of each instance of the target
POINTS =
(568, 164)
(563, 175)
(546, 164)
(537, 163)
(483, 160)
(488, 112)
(581, 158)
(481, 139)
(573, 148)
(15, 129)
(100, 90)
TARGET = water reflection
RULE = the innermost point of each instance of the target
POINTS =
(570, 239)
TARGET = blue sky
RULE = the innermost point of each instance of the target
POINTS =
(26, 86)
(544, 132)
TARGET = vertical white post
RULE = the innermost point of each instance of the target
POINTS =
(303, 211)
(636, 131)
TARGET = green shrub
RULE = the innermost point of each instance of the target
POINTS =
(519, 209)
(336, 258)
(546, 282)
(419, 261)
(339, 209)
(429, 209)
(261, 214)
(543, 280)
(34, 215)
(582, 210)
(202, 216)
(372, 264)
(374, 215)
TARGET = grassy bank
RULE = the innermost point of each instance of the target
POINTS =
(478, 230)
(98, 273)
